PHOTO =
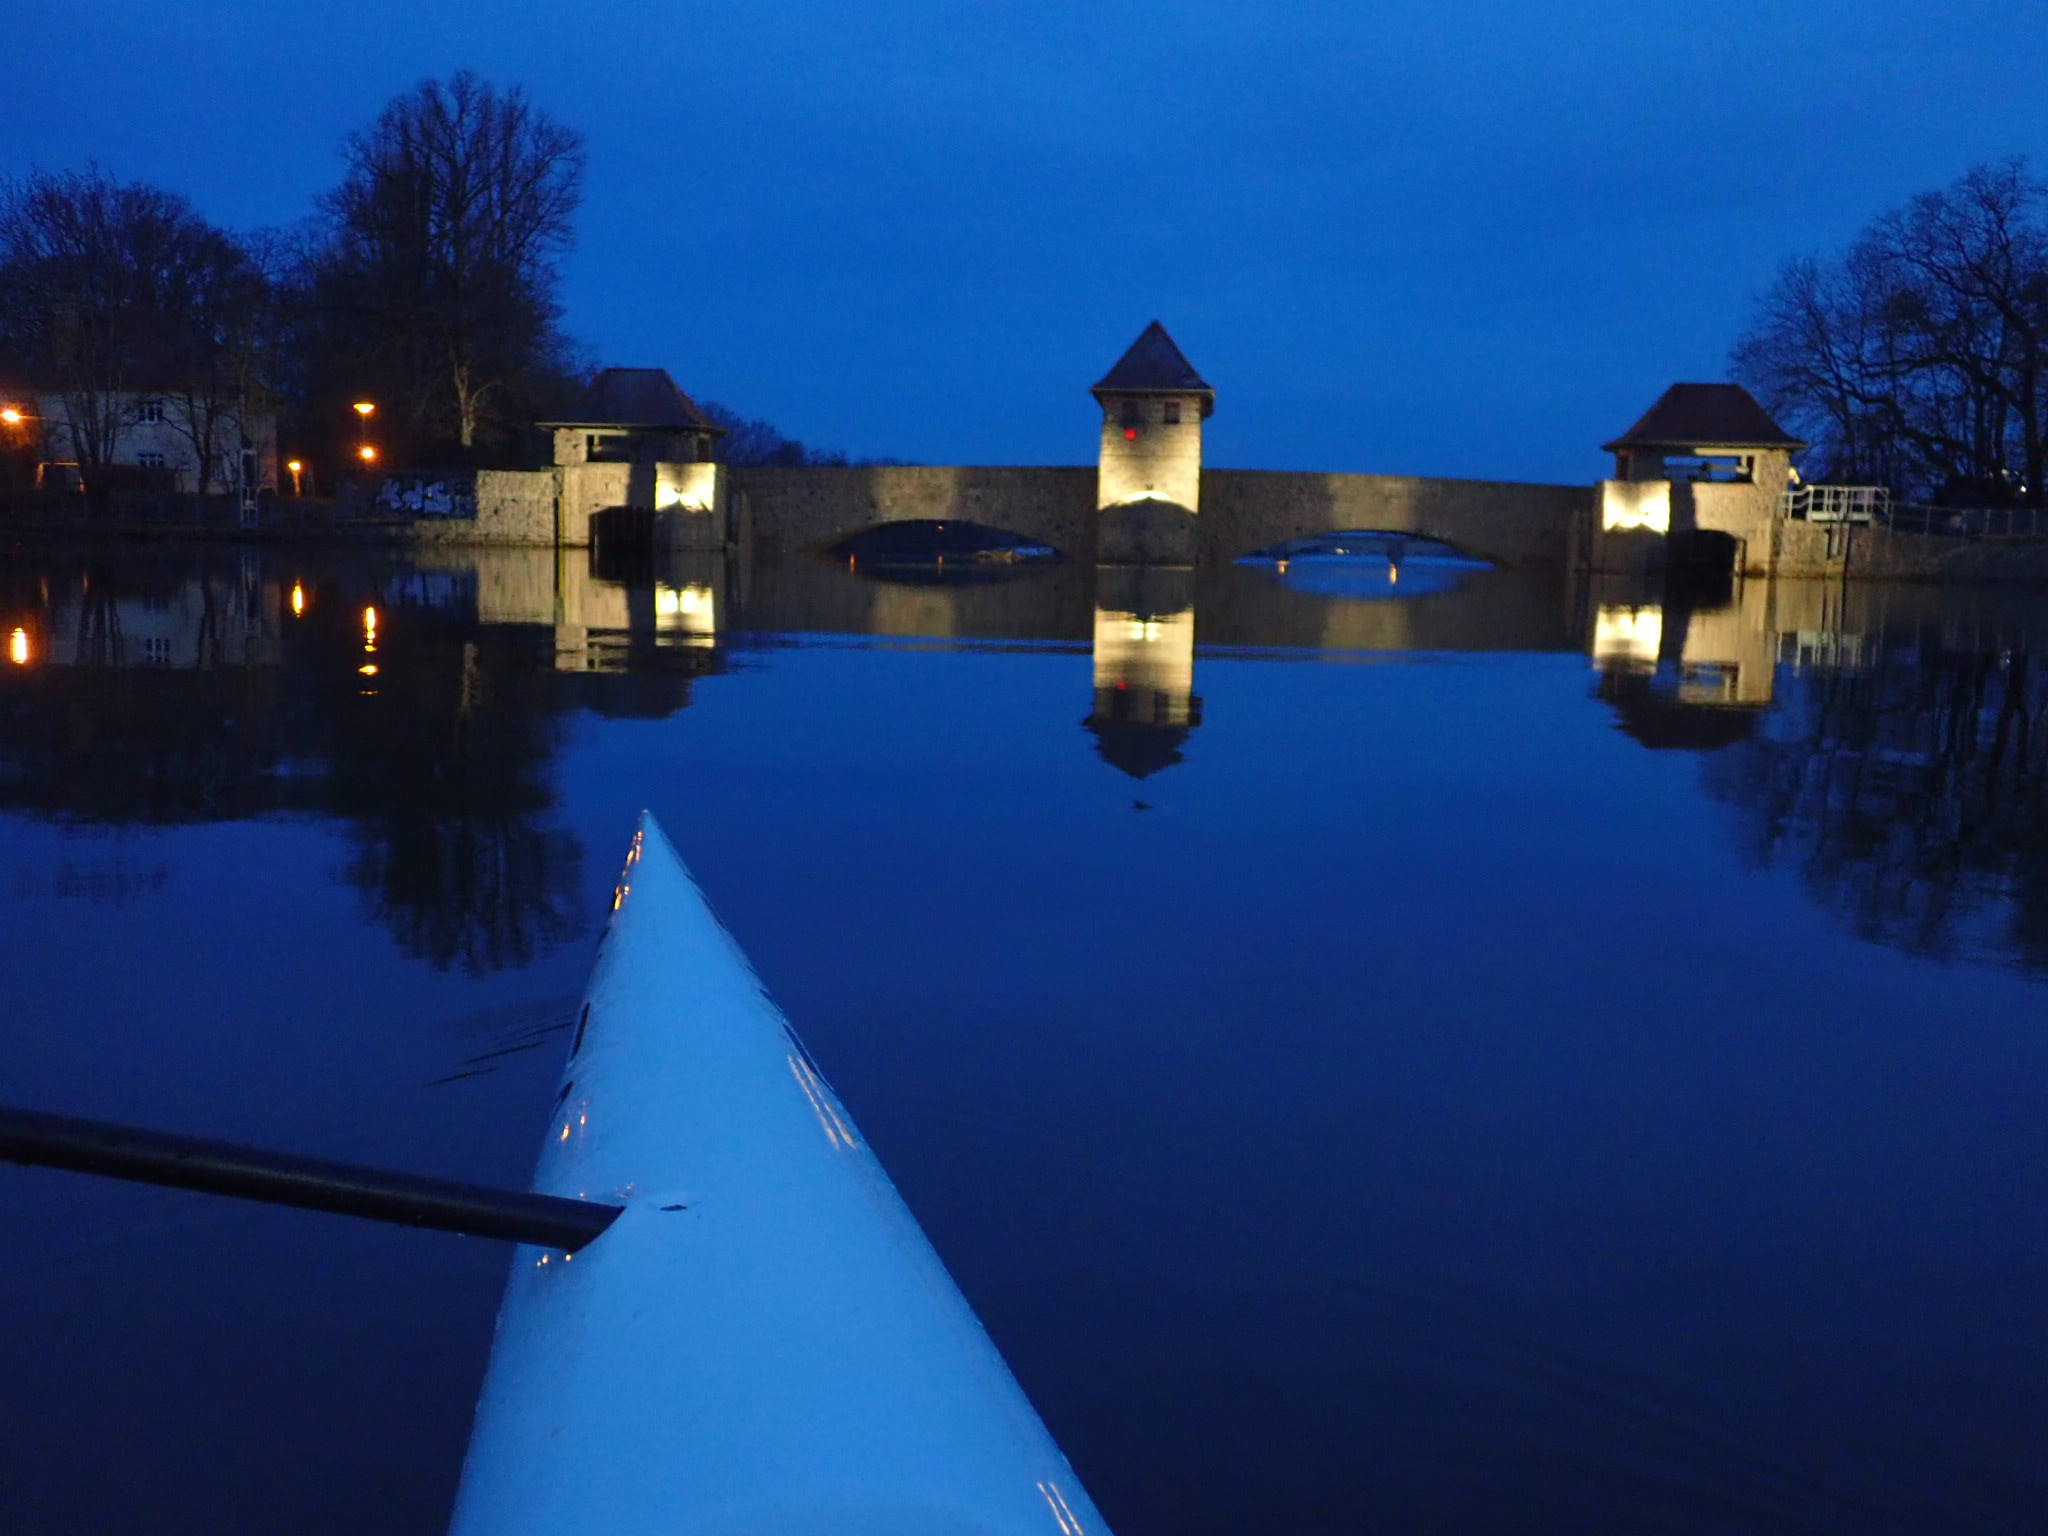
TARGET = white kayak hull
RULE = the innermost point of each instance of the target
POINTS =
(764, 1342)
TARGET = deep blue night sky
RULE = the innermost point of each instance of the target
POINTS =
(1470, 239)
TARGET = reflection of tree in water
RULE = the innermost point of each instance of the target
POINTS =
(116, 738)
(1910, 792)
(171, 689)
(443, 769)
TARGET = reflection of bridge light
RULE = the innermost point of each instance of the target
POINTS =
(298, 599)
(17, 648)
(368, 669)
(1627, 637)
(692, 611)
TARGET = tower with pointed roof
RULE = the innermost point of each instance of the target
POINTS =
(1153, 406)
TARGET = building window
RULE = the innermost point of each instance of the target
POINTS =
(1133, 414)
(156, 652)
(1170, 413)
(149, 411)
(150, 460)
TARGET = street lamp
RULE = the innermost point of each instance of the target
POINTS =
(298, 469)
(365, 409)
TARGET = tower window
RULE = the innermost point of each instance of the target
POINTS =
(1133, 414)
(1170, 413)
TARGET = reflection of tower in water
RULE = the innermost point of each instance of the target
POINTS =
(1145, 704)
(1692, 675)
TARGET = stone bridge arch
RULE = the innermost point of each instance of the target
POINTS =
(1504, 523)
(814, 508)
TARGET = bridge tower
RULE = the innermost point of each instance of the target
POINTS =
(1150, 466)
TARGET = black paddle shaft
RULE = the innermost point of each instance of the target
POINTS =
(283, 1178)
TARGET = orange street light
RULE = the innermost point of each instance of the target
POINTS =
(367, 454)
(12, 415)
(366, 408)
(298, 469)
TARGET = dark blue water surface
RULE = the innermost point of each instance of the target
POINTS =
(1520, 1058)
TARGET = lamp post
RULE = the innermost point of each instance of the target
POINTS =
(297, 468)
(365, 409)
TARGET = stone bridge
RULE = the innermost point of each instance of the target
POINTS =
(1519, 526)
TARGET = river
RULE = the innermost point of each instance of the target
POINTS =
(1382, 1048)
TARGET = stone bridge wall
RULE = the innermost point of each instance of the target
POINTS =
(798, 509)
(1522, 526)
(1516, 525)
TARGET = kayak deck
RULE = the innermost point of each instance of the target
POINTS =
(764, 1341)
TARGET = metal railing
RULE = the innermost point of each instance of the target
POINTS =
(1872, 506)
(1837, 503)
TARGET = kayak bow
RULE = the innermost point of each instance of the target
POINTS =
(763, 1342)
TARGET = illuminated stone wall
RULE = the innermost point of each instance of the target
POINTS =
(1521, 526)
(1145, 456)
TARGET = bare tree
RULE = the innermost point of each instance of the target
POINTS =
(1919, 358)
(225, 364)
(457, 203)
(108, 290)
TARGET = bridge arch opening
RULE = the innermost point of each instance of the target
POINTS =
(940, 545)
(1367, 562)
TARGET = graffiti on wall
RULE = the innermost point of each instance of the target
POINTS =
(421, 496)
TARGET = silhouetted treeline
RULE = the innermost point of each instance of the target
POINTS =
(109, 289)
(1918, 357)
(426, 282)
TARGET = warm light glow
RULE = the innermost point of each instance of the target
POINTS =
(367, 454)
(294, 465)
(366, 408)
(370, 628)
(368, 669)
(17, 647)
(298, 598)
(11, 416)
(1393, 574)
(1627, 505)
(1627, 639)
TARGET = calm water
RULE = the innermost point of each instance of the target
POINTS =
(1470, 1054)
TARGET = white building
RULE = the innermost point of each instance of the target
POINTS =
(159, 435)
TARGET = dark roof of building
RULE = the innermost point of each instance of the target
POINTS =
(1702, 416)
(1155, 366)
(642, 399)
